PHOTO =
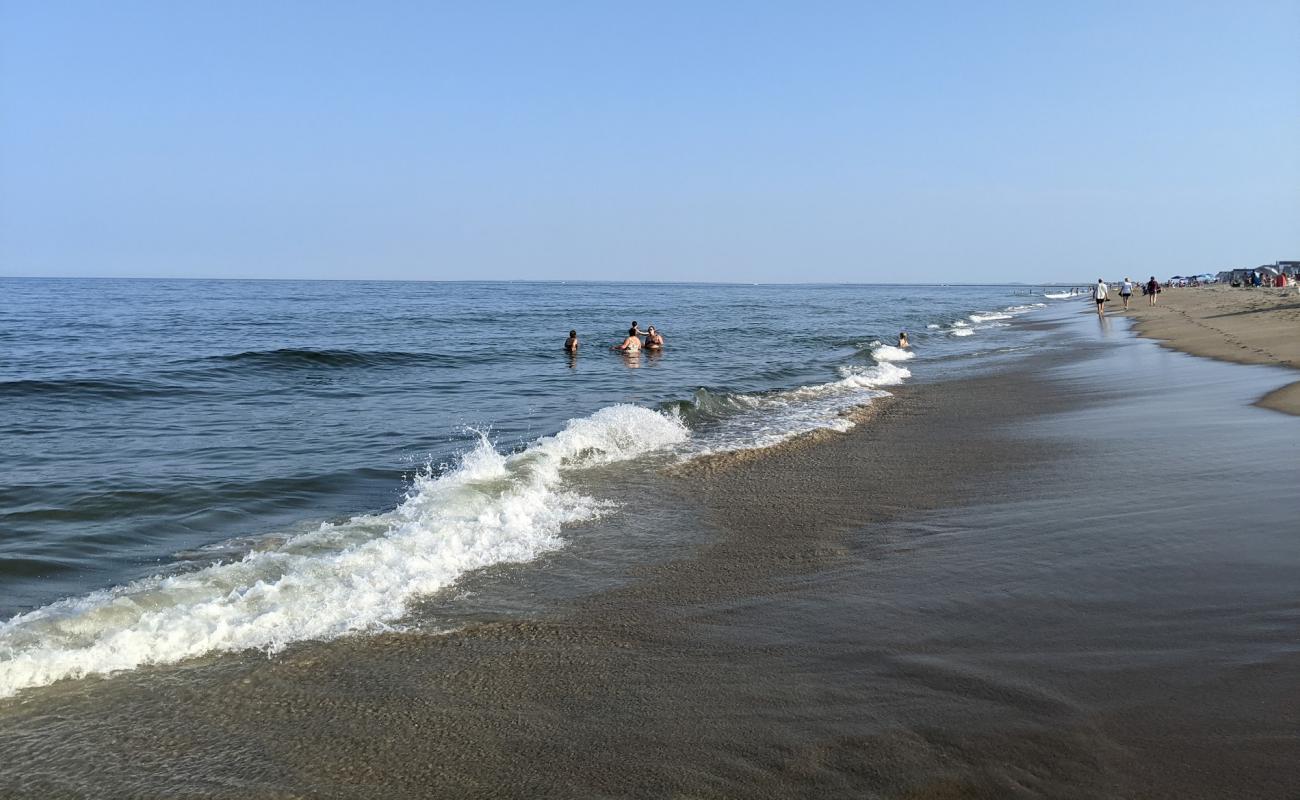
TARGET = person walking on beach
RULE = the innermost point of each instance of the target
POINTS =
(1153, 289)
(1099, 294)
(571, 344)
(1126, 291)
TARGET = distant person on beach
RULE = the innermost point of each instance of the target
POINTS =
(654, 340)
(902, 340)
(571, 344)
(1153, 289)
(1126, 291)
(1099, 294)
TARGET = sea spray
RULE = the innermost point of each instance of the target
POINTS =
(491, 509)
(888, 352)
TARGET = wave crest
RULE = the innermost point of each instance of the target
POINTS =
(357, 575)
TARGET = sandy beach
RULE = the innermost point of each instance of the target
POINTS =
(957, 599)
(1247, 326)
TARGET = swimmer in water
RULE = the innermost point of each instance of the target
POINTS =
(631, 344)
(571, 344)
(654, 340)
(902, 340)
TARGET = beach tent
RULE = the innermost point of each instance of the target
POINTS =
(1268, 270)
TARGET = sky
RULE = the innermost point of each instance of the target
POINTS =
(698, 141)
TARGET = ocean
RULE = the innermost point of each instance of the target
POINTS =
(193, 467)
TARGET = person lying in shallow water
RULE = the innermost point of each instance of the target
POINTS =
(654, 340)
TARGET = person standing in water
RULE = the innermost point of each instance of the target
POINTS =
(632, 344)
(1099, 294)
(571, 344)
(1126, 291)
(654, 340)
(902, 340)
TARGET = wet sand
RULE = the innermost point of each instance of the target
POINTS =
(1247, 326)
(970, 595)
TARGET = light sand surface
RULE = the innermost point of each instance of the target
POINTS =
(1248, 326)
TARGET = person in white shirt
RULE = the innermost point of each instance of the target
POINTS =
(1126, 291)
(1099, 294)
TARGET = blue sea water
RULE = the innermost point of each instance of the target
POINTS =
(195, 466)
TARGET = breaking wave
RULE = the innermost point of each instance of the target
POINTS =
(357, 575)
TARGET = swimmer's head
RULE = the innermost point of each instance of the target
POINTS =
(573, 334)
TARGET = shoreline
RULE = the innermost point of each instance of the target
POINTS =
(1243, 326)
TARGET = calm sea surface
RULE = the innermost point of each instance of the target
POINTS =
(188, 466)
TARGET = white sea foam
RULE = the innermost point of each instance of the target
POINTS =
(962, 331)
(354, 576)
(888, 352)
(769, 419)
(933, 326)
(1059, 295)
(1024, 309)
(871, 377)
(989, 316)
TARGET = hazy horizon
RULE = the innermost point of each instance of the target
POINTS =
(832, 143)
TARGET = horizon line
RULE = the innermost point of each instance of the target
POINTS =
(536, 280)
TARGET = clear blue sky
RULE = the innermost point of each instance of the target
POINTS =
(748, 141)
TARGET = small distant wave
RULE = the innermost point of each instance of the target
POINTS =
(1060, 295)
(354, 576)
(292, 358)
(708, 405)
(734, 422)
(87, 388)
(1024, 309)
(962, 331)
(989, 316)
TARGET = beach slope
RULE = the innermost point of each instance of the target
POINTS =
(1247, 326)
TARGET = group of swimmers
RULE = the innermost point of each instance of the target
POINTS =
(654, 340)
